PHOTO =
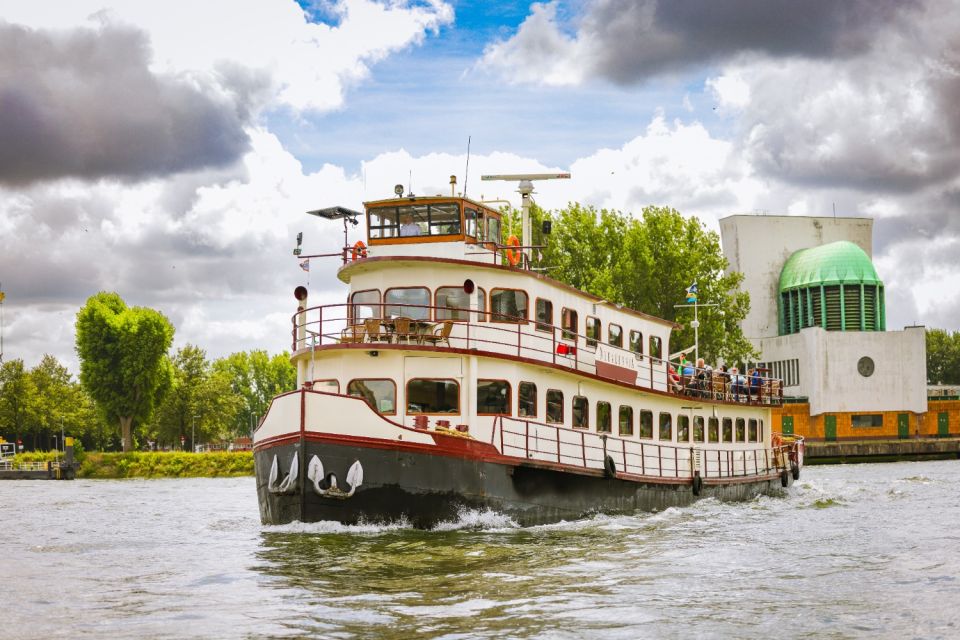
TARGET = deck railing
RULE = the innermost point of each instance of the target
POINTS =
(500, 333)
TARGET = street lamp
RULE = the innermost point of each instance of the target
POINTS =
(193, 433)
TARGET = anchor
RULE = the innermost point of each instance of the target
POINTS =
(316, 476)
(289, 483)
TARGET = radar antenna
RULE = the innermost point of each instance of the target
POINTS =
(525, 189)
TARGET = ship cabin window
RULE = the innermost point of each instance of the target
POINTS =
(380, 394)
(493, 229)
(615, 335)
(493, 397)
(407, 302)
(438, 219)
(666, 426)
(453, 303)
(554, 406)
(626, 420)
(752, 431)
(698, 428)
(604, 413)
(470, 221)
(741, 433)
(544, 315)
(482, 304)
(326, 386)
(568, 322)
(593, 331)
(760, 434)
(636, 342)
(646, 424)
(365, 304)
(727, 430)
(683, 428)
(433, 396)
(713, 430)
(527, 400)
(655, 347)
(508, 305)
(581, 412)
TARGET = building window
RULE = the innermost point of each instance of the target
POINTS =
(786, 370)
(453, 303)
(655, 347)
(493, 397)
(604, 413)
(683, 428)
(713, 430)
(615, 335)
(752, 431)
(554, 406)
(508, 305)
(626, 420)
(646, 424)
(698, 429)
(568, 322)
(727, 430)
(428, 395)
(407, 302)
(741, 430)
(326, 386)
(527, 400)
(581, 412)
(544, 315)
(380, 394)
(666, 426)
(593, 331)
(365, 304)
(867, 421)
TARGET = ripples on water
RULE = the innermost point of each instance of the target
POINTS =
(852, 551)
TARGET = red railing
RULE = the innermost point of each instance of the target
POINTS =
(499, 333)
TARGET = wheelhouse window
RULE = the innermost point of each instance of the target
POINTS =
(444, 219)
(470, 222)
(646, 424)
(727, 430)
(666, 426)
(713, 430)
(327, 386)
(407, 302)
(655, 347)
(636, 342)
(752, 431)
(581, 412)
(615, 335)
(554, 406)
(568, 322)
(698, 429)
(508, 305)
(626, 420)
(440, 219)
(604, 413)
(593, 331)
(741, 435)
(384, 222)
(683, 428)
(429, 395)
(493, 229)
(453, 303)
(493, 397)
(544, 315)
(365, 304)
(380, 394)
(527, 400)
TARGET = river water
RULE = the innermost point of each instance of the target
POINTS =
(852, 551)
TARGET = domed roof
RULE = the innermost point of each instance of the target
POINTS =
(839, 262)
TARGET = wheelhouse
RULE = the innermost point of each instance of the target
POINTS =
(416, 220)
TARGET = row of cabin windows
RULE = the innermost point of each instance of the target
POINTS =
(440, 219)
(506, 305)
(442, 396)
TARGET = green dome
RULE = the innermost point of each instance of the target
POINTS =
(835, 263)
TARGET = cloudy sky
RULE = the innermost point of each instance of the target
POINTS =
(169, 150)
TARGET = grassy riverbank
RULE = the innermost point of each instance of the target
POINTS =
(160, 464)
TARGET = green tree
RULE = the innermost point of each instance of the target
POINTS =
(256, 378)
(19, 401)
(943, 357)
(123, 359)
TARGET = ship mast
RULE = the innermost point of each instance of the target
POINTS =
(525, 189)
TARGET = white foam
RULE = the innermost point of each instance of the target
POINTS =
(474, 519)
(330, 526)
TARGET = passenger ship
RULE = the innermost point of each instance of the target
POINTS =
(459, 376)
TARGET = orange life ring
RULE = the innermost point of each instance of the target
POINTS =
(359, 250)
(513, 256)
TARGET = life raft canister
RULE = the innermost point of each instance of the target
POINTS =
(359, 250)
(513, 255)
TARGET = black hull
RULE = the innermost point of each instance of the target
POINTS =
(425, 488)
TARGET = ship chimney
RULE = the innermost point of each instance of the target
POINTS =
(453, 185)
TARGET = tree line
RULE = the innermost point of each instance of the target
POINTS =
(943, 357)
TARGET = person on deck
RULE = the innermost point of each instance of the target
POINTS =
(755, 382)
(408, 227)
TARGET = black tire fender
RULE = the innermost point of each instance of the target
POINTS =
(784, 478)
(609, 467)
(697, 485)
(795, 470)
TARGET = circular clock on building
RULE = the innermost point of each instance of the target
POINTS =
(865, 366)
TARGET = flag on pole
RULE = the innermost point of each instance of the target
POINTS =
(305, 265)
(692, 293)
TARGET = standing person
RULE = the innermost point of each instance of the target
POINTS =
(755, 382)
(407, 226)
